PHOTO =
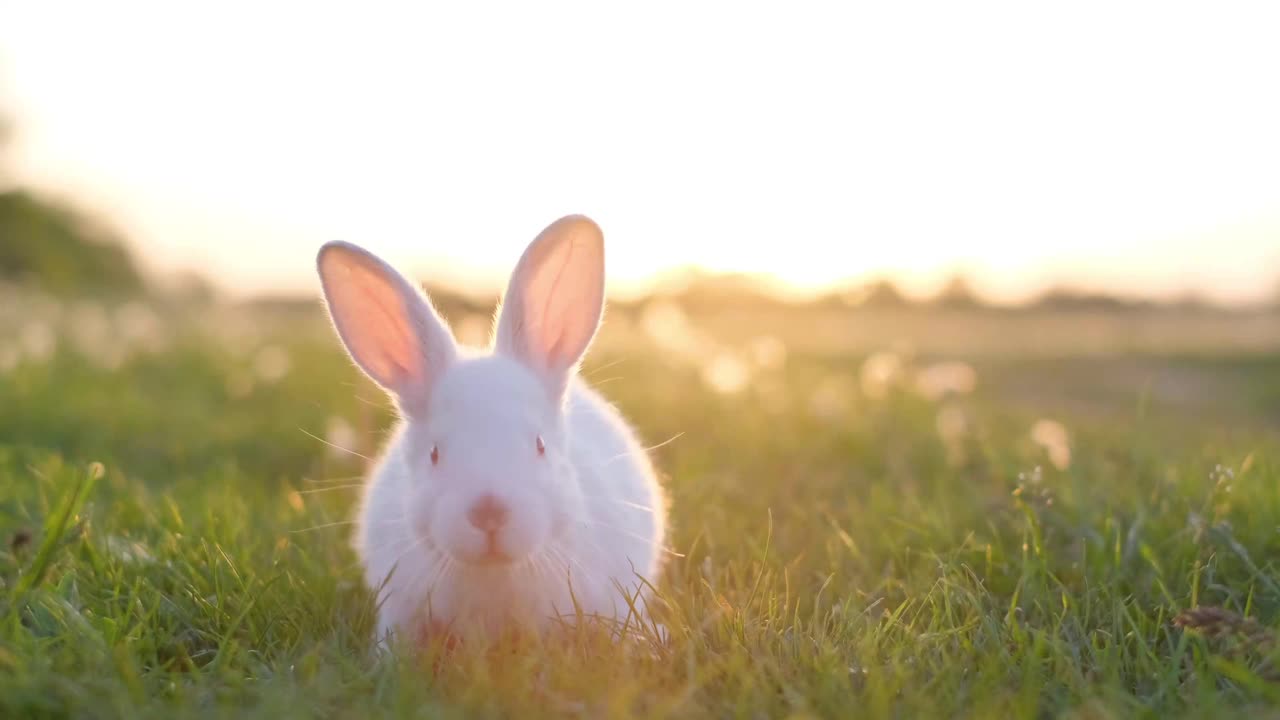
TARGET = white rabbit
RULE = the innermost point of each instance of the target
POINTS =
(511, 493)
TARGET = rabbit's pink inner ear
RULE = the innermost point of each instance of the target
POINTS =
(386, 325)
(554, 302)
(371, 319)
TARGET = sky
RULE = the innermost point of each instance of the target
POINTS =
(1127, 147)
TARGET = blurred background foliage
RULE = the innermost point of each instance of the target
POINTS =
(54, 246)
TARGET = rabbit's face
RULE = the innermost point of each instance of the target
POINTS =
(489, 480)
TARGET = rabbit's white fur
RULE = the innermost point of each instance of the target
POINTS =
(583, 518)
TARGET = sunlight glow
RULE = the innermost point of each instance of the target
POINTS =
(1129, 147)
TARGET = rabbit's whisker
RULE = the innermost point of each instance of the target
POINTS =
(441, 574)
(325, 481)
(335, 446)
(325, 526)
(628, 533)
(666, 442)
(628, 503)
(400, 522)
(330, 488)
(412, 546)
(569, 561)
(595, 370)
(651, 448)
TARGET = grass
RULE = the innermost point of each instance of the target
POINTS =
(175, 543)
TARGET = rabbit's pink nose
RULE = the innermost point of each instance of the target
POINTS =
(488, 514)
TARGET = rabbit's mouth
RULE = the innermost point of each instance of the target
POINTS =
(493, 553)
(493, 556)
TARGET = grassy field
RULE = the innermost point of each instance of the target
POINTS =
(906, 526)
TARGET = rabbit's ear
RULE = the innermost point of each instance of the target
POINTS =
(555, 299)
(388, 326)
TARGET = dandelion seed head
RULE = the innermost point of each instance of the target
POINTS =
(667, 325)
(726, 373)
(340, 437)
(768, 352)
(942, 379)
(880, 371)
(272, 364)
(38, 341)
(832, 398)
(1051, 435)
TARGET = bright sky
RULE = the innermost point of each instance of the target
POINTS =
(1126, 146)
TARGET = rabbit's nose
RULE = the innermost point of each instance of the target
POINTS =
(488, 514)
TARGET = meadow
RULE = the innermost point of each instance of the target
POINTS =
(909, 513)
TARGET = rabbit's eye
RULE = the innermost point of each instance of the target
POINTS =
(542, 447)
(435, 455)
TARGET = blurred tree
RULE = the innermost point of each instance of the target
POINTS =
(52, 246)
(957, 293)
(696, 288)
(1065, 298)
(878, 294)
